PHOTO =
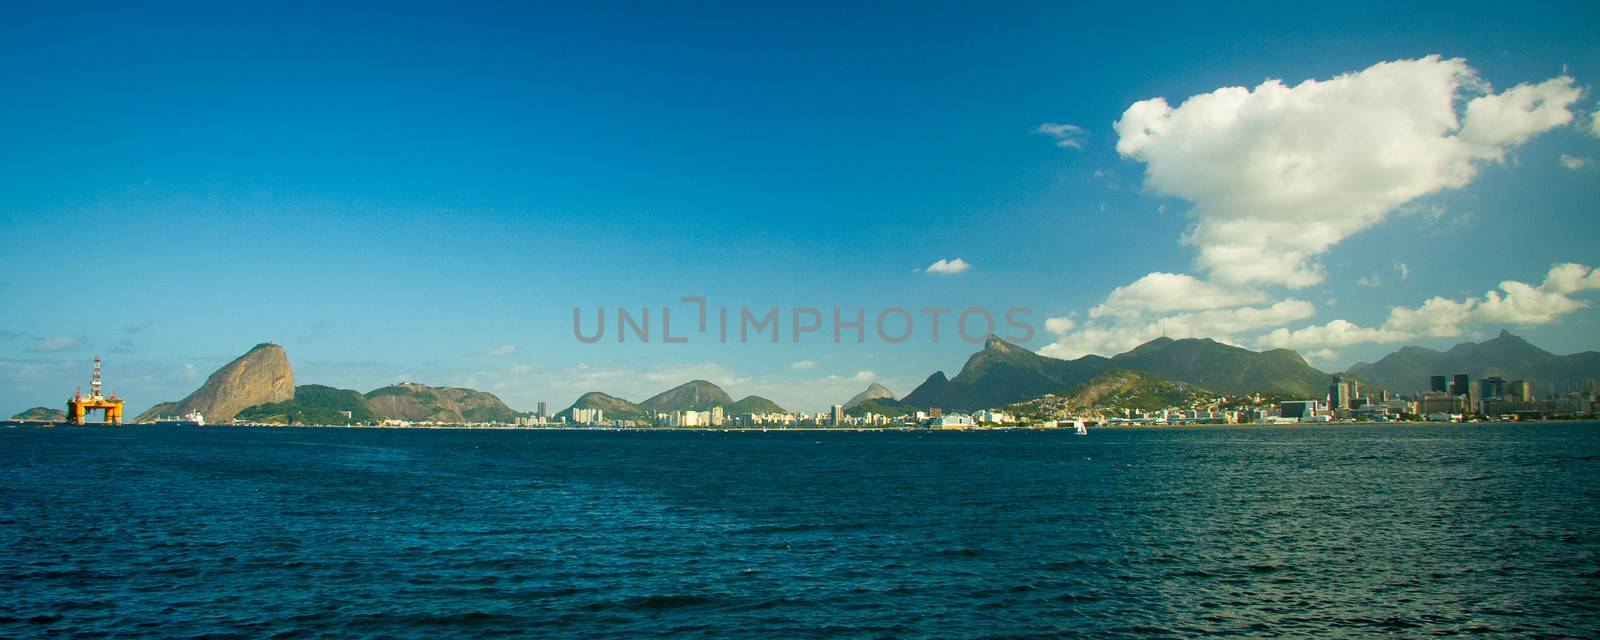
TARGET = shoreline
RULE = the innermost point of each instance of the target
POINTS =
(13, 424)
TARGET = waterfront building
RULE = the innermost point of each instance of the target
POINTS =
(990, 416)
(1460, 385)
(1438, 384)
(1492, 387)
(1296, 409)
(953, 421)
(541, 412)
(1520, 391)
(688, 419)
(1433, 402)
(717, 416)
(1339, 394)
(838, 415)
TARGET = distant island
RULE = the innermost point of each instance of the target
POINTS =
(1164, 381)
(41, 414)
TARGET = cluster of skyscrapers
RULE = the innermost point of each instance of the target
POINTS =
(1495, 396)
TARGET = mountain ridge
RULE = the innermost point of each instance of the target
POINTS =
(694, 395)
(873, 391)
(422, 403)
(1507, 355)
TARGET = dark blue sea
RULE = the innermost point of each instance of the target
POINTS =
(1402, 531)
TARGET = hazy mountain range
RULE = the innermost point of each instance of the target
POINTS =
(1506, 355)
(260, 385)
(694, 395)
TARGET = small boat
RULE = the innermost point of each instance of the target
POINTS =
(1081, 429)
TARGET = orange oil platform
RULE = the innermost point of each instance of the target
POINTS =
(79, 405)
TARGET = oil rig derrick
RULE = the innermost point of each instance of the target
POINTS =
(80, 405)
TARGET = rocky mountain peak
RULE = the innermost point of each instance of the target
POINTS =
(261, 376)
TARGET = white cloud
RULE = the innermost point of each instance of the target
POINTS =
(1594, 124)
(801, 365)
(1370, 280)
(1164, 292)
(1280, 174)
(865, 376)
(1321, 355)
(1515, 303)
(949, 267)
(1338, 333)
(501, 351)
(1219, 324)
(1060, 326)
(1497, 121)
(1573, 162)
(1068, 136)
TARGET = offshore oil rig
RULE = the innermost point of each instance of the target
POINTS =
(79, 405)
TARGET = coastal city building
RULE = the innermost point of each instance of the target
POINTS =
(1298, 409)
(1339, 393)
(1438, 384)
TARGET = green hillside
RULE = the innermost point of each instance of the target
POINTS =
(451, 405)
(313, 404)
(695, 395)
(615, 408)
(752, 404)
(1226, 369)
(42, 414)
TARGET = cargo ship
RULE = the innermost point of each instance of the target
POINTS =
(191, 419)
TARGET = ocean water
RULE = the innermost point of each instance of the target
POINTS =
(1402, 531)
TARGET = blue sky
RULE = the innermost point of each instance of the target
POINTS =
(402, 193)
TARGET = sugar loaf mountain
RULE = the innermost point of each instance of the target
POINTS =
(260, 385)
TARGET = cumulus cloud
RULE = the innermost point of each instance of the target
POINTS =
(1060, 326)
(1338, 333)
(1594, 124)
(1279, 174)
(1370, 280)
(1514, 303)
(948, 267)
(501, 351)
(1403, 269)
(865, 376)
(1107, 338)
(1572, 162)
(1163, 292)
(801, 365)
(1068, 136)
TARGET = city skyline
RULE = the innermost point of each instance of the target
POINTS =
(331, 183)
